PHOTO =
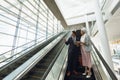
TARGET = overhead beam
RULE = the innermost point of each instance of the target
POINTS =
(55, 10)
(92, 13)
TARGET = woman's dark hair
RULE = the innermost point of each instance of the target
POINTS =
(74, 32)
(78, 35)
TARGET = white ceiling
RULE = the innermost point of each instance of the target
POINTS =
(113, 26)
(72, 9)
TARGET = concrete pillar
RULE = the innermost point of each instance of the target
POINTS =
(103, 35)
(87, 25)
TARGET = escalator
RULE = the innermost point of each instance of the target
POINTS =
(7, 69)
(39, 70)
(48, 66)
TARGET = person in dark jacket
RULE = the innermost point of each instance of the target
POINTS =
(72, 54)
(78, 49)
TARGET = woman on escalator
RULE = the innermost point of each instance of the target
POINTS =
(72, 54)
(85, 51)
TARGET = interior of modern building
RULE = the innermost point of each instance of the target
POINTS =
(33, 36)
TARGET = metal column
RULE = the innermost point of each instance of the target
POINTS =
(17, 28)
(53, 25)
(47, 24)
(36, 34)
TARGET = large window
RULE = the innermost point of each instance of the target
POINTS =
(24, 23)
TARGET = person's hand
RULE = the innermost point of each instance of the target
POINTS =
(81, 43)
(78, 42)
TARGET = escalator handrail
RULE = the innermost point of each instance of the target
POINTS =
(96, 69)
(29, 64)
(64, 64)
(59, 74)
(52, 63)
(111, 73)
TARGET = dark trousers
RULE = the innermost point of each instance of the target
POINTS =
(72, 61)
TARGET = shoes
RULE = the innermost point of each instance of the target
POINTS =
(88, 76)
(84, 74)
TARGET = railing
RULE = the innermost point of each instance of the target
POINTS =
(52, 63)
(24, 68)
(56, 70)
(102, 67)
(57, 67)
(23, 52)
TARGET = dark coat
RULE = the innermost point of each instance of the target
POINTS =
(78, 37)
(72, 56)
(71, 44)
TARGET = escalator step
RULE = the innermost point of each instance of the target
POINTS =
(32, 78)
(37, 74)
(39, 71)
(48, 60)
(45, 65)
(23, 60)
(5, 72)
(50, 57)
(1, 78)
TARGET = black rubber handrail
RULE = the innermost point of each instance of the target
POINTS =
(112, 75)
